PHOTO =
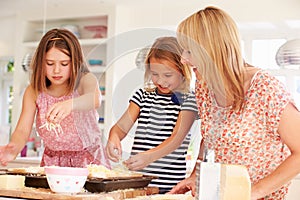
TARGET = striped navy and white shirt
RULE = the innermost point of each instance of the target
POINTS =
(157, 118)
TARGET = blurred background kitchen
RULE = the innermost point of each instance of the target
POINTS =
(112, 33)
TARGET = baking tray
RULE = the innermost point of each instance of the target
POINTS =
(3, 171)
(108, 185)
(36, 181)
(97, 185)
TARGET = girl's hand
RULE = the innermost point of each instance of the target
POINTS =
(8, 153)
(114, 149)
(138, 161)
(184, 186)
(59, 111)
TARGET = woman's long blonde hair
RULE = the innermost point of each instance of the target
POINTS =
(213, 40)
(167, 48)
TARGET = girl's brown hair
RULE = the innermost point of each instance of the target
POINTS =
(167, 48)
(67, 43)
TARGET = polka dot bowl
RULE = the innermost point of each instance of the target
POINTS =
(66, 180)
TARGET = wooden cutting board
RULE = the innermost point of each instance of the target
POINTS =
(41, 193)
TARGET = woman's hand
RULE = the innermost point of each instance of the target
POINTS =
(8, 153)
(138, 161)
(256, 191)
(185, 185)
(58, 111)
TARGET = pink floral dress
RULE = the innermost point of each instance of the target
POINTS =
(248, 137)
(78, 144)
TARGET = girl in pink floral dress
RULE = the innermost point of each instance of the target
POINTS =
(62, 96)
(247, 116)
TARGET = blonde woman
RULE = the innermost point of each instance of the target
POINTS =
(247, 116)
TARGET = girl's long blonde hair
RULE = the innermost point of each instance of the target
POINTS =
(213, 40)
(66, 42)
(167, 48)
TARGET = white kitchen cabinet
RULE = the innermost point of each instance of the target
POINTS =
(92, 26)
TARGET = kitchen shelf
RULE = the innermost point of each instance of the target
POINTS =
(97, 69)
(83, 42)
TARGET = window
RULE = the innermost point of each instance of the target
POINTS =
(264, 52)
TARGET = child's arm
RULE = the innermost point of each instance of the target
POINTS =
(184, 122)
(120, 130)
(90, 98)
(23, 129)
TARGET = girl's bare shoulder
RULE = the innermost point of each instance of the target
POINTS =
(30, 95)
(29, 91)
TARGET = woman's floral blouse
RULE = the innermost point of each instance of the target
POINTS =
(248, 137)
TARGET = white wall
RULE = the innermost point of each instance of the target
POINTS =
(133, 17)
(7, 36)
(134, 14)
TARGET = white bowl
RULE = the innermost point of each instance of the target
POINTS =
(68, 180)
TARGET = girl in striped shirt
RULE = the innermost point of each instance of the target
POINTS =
(165, 110)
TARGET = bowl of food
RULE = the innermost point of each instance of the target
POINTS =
(67, 180)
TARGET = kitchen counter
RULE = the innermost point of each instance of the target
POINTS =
(42, 193)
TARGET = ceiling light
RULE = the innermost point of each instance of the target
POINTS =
(288, 55)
